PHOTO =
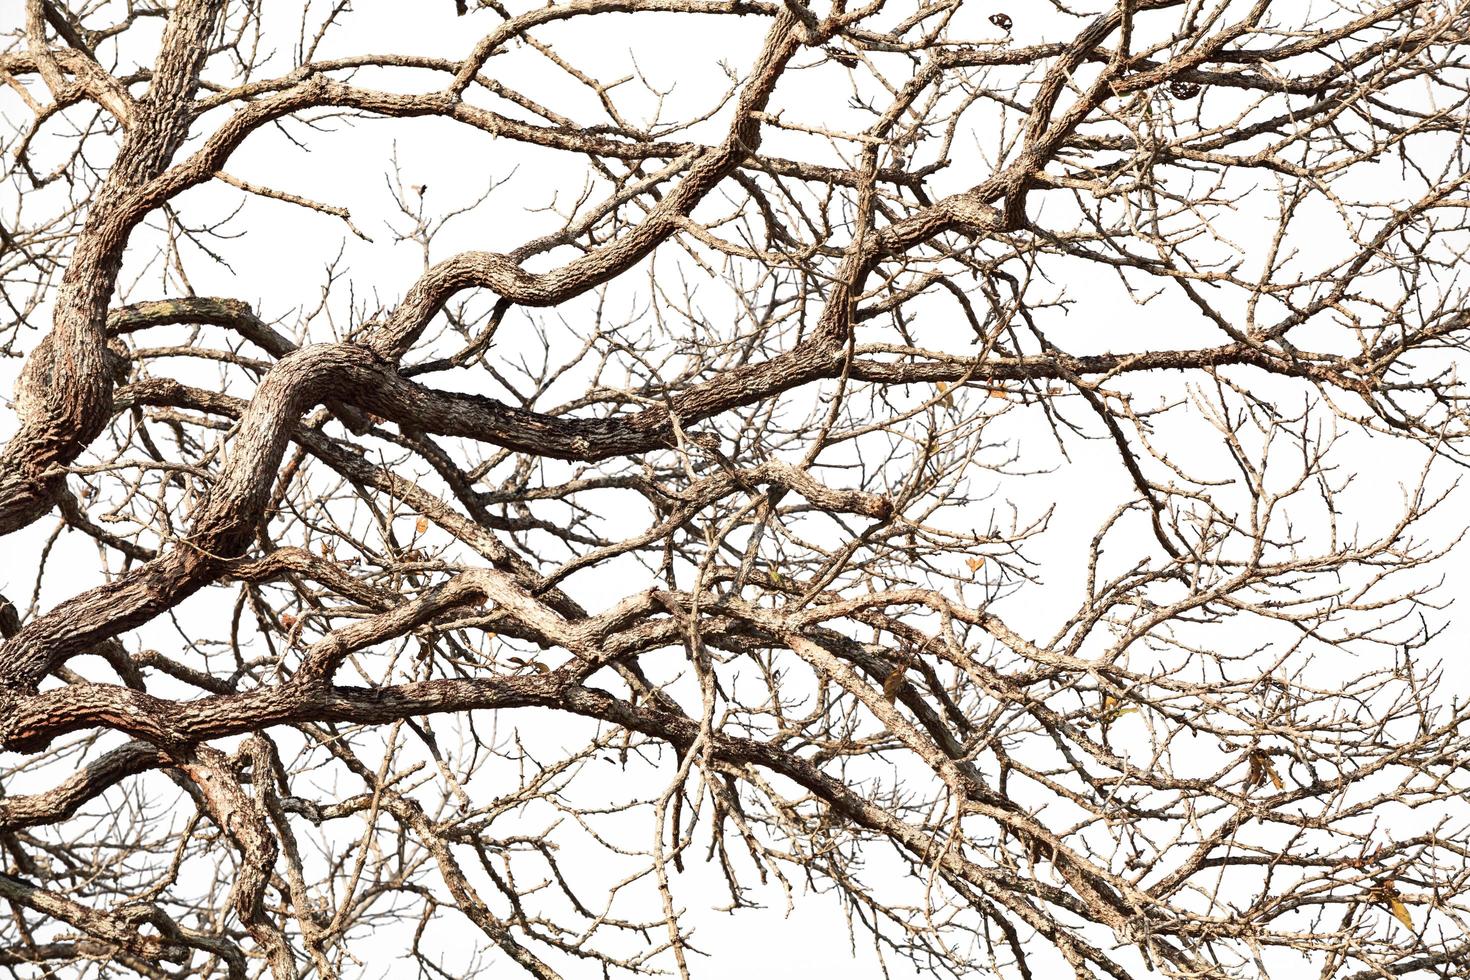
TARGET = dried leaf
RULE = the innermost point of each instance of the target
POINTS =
(975, 564)
(1113, 709)
(288, 620)
(535, 665)
(1261, 769)
(1389, 896)
(421, 525)
(893, 683)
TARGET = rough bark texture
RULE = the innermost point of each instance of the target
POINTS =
(400, 613)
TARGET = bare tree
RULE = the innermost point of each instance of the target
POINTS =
(979, 466)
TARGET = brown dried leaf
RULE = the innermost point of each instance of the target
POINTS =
(1261, 769)
(1254, 774)
(1389, 896)
(535, 665)
(893, 683)
(1113, 709)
